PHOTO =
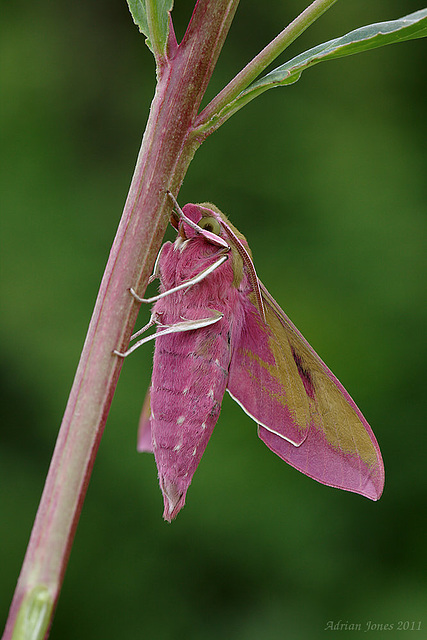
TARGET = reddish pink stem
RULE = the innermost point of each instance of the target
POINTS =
(166, 151)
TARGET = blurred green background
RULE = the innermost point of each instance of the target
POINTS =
(327, 179)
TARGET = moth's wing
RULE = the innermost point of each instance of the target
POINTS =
(340, 449)
(144, 442)
(264, 380)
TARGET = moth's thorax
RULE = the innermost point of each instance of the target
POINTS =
(185, 259)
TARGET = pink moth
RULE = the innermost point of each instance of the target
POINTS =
(219, 329)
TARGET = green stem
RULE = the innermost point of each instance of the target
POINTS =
(209, 119)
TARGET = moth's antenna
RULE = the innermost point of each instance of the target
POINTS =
(181, 215)
(175, 203)
(247, 261)
(179, 212)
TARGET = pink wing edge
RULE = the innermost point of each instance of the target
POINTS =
(144, 443)
(315, 457)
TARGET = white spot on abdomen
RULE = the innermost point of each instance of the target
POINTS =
(180, 420)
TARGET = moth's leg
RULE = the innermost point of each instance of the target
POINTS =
(154, 275)
(156, 269)
(186, 325)
(153, 320)
(185, 285)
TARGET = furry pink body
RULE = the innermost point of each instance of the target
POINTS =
(251, 348)
(190, 369)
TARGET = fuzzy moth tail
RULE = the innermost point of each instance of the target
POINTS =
(173, 499)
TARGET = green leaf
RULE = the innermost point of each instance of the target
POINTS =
(152, 19)
(139, 15)
(362, 39)
(365, 38)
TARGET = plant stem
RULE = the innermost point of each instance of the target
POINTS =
(257, 65)
(165, 154)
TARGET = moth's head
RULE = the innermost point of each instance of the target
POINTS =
(207, 224)
(207, 221)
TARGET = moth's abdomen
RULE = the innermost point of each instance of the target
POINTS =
(190, 373)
